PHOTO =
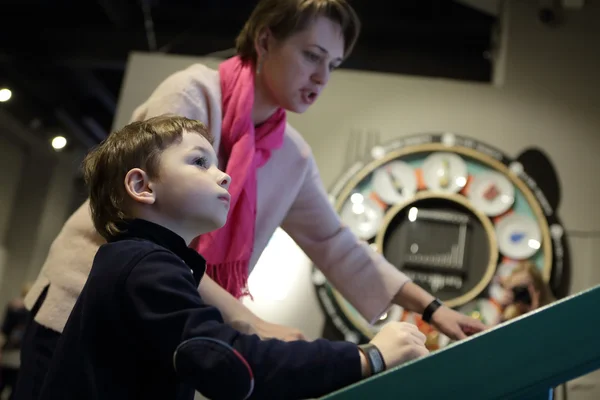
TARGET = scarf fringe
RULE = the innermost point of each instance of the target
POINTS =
(231, 276)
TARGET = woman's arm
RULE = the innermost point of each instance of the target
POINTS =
(362, 275)
(413, 298)
(233, 310)
(236, 314)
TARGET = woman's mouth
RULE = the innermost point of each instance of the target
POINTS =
(309, 97)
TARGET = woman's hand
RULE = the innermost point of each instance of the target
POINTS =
(449, 322)
(454, 324)
(268, 330)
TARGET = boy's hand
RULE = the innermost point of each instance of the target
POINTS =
(400, 342)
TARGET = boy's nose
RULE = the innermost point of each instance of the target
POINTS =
(225, 181)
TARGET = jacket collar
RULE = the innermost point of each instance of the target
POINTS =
(158, 234)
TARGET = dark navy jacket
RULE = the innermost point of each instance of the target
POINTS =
(140, 330)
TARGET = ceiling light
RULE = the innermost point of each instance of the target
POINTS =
(59, 142)
(5, 94)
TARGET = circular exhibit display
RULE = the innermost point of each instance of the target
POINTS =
(519, 236)
(453, 214)
(363, 215)
(492, 193)
(444, 172)
(442, 243)
(484, 310)
(496, 292)
(395, 182)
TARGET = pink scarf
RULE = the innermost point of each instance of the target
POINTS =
(246, 148)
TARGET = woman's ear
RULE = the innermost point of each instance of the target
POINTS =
(262, 43)
(139, 187)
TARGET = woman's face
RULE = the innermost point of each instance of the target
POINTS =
(296, 70)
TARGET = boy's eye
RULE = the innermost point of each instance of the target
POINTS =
(201, 162)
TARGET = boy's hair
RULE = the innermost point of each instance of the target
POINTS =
(137, 145)
(287, 17)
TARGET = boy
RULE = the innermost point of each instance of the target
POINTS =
(140, 329)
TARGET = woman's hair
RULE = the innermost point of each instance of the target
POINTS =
(137, 145)
(287, 17)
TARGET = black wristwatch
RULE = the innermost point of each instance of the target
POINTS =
(430, 309)
(374, 357)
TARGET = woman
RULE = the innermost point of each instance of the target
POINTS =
(286, 53)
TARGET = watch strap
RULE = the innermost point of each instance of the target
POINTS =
(430, 309)
(374, 358)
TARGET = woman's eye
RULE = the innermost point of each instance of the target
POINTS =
(311, 56)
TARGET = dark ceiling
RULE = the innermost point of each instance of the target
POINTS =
(64, 59)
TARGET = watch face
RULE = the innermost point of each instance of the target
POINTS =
(362, 215)
(395, 182)
(445, 172)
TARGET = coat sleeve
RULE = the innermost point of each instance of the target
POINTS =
(363, 276)
(183, 333)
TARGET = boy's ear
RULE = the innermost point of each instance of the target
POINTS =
(138, 186)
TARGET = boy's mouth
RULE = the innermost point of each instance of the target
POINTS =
(225, 198)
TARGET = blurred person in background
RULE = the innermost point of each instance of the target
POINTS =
(11, 337)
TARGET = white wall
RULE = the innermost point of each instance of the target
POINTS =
(56, 209)
(36, 186)
(11, 159)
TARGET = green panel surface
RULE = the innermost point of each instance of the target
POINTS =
(520, 359)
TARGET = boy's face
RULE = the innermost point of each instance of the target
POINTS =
(191, 192)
